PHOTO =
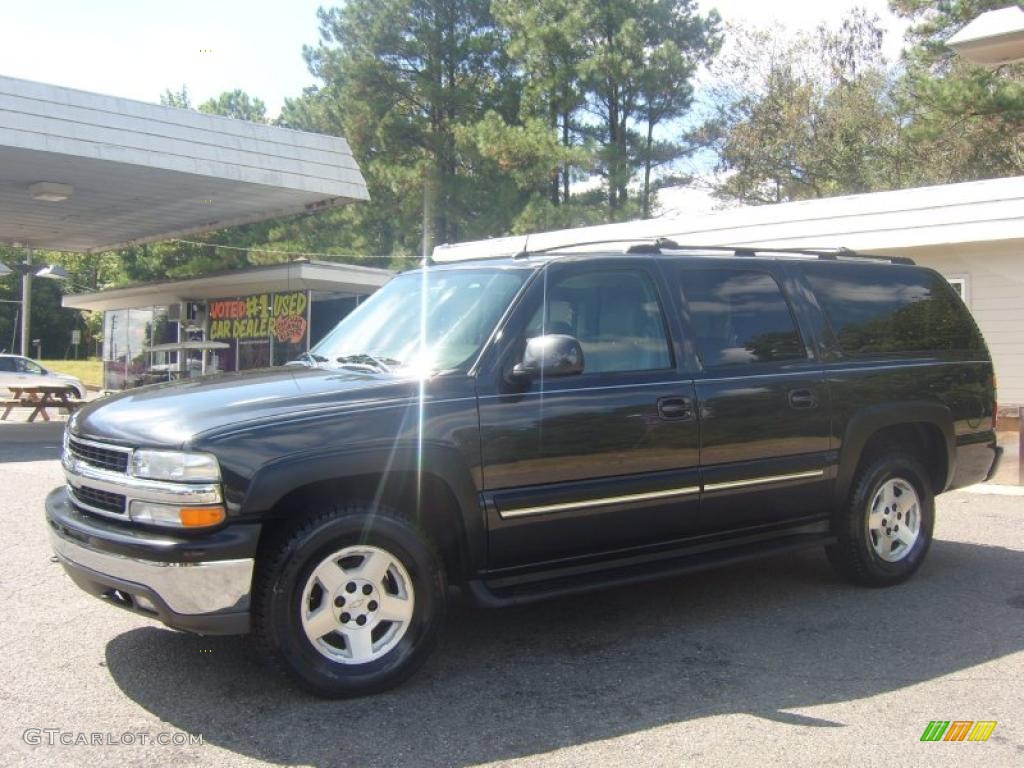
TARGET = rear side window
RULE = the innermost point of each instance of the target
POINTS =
(740, 317)
(887, 310)
(6, 364)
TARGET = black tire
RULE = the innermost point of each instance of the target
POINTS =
(853, 555)
(282, 577)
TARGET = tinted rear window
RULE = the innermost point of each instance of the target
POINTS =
(739, 316)
(886, 310)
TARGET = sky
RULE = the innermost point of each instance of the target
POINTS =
(137, 49)
(806, 15)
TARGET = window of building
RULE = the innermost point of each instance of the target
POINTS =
(960, 285)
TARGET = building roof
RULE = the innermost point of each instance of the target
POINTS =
(290, 276)
(994, 37)
(880, 222)
(141, 172)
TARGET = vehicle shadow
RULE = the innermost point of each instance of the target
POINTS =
(760, 638)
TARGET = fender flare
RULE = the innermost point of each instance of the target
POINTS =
(867, 421)
(274, 480)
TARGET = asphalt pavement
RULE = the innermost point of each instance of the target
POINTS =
(769, 663)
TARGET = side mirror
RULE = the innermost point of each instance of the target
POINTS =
(553, 355)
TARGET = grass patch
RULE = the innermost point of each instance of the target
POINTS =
(87, 371)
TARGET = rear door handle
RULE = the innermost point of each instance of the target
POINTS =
(676, 408)
(802, 398)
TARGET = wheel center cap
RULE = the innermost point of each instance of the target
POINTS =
(355, 603)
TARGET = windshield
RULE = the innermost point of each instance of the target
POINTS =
(459, 310)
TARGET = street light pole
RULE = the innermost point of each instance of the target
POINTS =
(26, 305)
(28, 270)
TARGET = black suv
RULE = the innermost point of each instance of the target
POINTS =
(533, 427)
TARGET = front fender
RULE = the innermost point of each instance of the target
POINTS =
(274, 480)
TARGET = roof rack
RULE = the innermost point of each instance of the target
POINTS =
(661, 244)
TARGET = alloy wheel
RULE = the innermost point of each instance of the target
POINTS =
(357, 604)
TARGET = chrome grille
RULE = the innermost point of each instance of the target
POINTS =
(101, 457)
(93, 498)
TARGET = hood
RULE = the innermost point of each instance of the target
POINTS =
(173, 414)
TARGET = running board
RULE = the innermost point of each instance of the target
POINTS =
(492, 595)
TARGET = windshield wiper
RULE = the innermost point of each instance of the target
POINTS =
(366, 360)
(310, 359)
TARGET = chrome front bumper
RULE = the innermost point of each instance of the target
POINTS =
(208, 596)
(186, 588)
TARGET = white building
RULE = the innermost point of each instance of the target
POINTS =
(972, 233)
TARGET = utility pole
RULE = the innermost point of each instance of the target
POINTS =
(26, 306)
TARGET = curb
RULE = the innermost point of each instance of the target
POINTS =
(994, 490)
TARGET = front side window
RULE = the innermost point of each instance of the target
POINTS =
(740, 317)
(24, 365)
(614, 314)
(424, 320)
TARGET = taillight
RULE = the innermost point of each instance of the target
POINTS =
(995, 401)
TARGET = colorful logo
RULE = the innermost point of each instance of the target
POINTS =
(958, 730)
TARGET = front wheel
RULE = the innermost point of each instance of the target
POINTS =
(884, 532)
(351, 603)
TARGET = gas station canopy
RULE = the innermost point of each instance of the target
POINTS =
(86, 172)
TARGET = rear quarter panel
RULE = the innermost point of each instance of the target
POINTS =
(952, 389)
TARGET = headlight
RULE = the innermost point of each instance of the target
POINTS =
(176, 466)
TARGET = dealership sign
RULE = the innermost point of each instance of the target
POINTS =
(281, 316)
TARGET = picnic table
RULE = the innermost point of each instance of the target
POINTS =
(39, 398)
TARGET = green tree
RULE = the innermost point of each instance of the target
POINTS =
(639, 61)
(178, 99)
(403, 76)
(785, 127)
(605, 75)
(544, 41)
(519, 162)
(51, 323)
(967, 120)
(237, 104)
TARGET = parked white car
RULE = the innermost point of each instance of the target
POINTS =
(18, 371)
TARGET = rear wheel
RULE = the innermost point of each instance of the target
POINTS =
(351, 603)
(885, 530)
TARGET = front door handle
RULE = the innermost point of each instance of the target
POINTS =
(676, 408)
(802, 398)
